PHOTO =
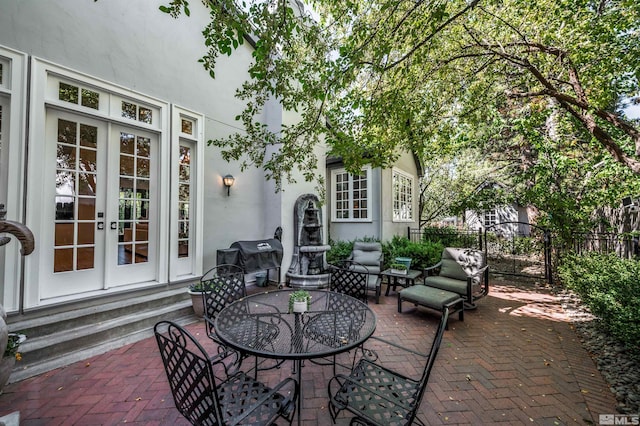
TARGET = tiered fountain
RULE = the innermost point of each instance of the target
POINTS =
(307, 268)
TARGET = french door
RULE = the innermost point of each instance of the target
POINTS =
(99, 207)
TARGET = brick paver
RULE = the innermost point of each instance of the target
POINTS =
(514, 360)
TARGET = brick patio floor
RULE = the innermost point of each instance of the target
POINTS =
(514, 360)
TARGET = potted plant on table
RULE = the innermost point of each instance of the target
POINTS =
(398, 268)
(10, 356)
(406, 261)
(299, 301)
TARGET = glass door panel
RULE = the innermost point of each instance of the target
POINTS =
(75, 196)
(72, 239)
(135, 213)
(133, 199)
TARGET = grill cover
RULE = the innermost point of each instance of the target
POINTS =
(259, 254)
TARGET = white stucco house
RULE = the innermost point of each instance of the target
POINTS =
(506, 220)
(378, 203)
(105, 114)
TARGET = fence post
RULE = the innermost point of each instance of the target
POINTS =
(480, 238)
(409, 233)
(548, 270)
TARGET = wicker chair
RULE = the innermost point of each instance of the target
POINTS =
(378, 395)
(203, 399)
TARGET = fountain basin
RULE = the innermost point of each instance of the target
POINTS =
(308, 281)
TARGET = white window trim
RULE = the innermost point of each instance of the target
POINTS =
(189, 267)
(395, 171)
(45, 94)
(15, 88)
(334, 218)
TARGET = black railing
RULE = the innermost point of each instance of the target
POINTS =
(626, 246)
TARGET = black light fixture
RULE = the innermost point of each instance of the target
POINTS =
(228, 182)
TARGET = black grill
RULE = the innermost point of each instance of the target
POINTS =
(253, 256)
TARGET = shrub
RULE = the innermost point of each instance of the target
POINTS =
(340, 250)
(422, 254)
(609, 286)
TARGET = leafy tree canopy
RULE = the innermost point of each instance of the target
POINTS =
(370, 76)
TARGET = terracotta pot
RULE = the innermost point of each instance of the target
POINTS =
(6, 367)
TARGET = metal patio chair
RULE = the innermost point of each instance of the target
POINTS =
(205, 400)
(460, 270)
(347, 280)
(227, 285)
(342, 322)
(378, 395)
(367, 256)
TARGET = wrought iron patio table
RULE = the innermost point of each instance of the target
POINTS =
(334, 323)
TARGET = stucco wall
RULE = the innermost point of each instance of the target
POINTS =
(390, 228)
(382, 226)
(133, 45)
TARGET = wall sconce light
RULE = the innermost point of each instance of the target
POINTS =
(228, 182)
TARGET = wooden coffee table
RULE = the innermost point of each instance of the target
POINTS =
(403, 280)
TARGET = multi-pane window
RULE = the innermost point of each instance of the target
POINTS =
(186, 242)
(184, 199)
(0, 130)
(186, 126)
(342, 190)
(351, 195)
(490, 217)
(75, 196)
(402, 196)
(4, 115)
(135, 174)
(78, 95)
(137, 112)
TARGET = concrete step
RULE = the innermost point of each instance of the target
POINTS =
(57, 339)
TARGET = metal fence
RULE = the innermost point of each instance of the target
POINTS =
(448, 237)
(520, 254)
(625, 246)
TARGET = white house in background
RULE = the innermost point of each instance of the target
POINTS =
(104, 118)
(378, 203)
(505, 220)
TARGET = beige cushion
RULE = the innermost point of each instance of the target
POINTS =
(459, 263)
